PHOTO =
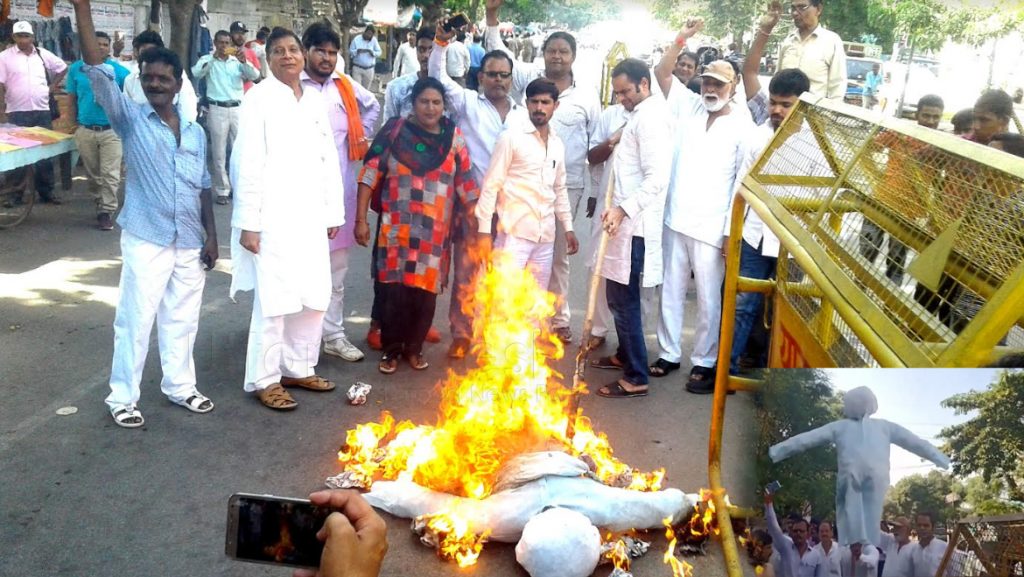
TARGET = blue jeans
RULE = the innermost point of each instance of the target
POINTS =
(624, 302)
(748, 305)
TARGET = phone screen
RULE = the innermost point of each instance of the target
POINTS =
(275, 530)
(457, 21)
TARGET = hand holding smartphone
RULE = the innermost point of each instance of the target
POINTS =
(455, 22)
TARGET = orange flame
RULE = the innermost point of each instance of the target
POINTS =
(511, 402)
(679, 568)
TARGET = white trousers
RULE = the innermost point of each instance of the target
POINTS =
(684, 254)
(164, 284)
(223, 123)
(363, 76)
(334, 318)
(559, 283)
(602, 314)
(287, 345)
(528, 254)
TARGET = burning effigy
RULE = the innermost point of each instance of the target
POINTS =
(507, 448)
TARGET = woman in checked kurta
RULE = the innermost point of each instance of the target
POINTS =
(422, 168)
(288, 202)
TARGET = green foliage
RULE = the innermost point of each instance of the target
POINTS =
(983, 497)
(991, 443)
(857, 21)
(921, 493)
(792, 402)
(573, 13)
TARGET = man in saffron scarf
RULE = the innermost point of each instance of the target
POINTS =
(352, 111)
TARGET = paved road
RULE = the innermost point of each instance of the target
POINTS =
(82, 497)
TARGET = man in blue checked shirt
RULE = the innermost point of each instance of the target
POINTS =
(168, 231)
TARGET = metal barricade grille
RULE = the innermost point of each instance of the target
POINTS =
(928, 227)
(980, 547)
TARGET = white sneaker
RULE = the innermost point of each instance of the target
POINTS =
(340, 347)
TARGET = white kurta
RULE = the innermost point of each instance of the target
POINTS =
(862, 451)
(641, 164)
(287, 184)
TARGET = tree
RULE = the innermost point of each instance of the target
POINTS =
(792, 402)
(852, 20)
(991, 443)
(983, 497)
(347, 14)
(921, 493)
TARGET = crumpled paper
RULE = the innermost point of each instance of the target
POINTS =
(620, 573)
(358, 392)
(345, 480)
(631, 546)
(559, 543)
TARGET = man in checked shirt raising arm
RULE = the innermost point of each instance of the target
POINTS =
(168, 231)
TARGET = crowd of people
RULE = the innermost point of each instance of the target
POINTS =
(802, 546)
(451, 171)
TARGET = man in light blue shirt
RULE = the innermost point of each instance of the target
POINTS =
(872, 83)
(168, 227)
(98, 145)
(364, 50)
(798, 558)
(225, 71)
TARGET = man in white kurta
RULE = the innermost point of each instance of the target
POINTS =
(633, 256)
(288, 189)
(710, 154)
(897, 548)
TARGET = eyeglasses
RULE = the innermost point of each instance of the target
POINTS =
(798, 8)
(503, 75)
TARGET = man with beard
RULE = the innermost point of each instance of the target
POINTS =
(897, 547)
(578, 111)
(482, 117)
(352, 111)
(238, 33)
(167, 223)
(525, 184)
(710, 156)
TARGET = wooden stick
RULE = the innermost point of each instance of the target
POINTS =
(578, 383)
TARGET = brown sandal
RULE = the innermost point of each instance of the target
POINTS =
(417, 362)
(311, 383)
(388, 364)
(275, 397)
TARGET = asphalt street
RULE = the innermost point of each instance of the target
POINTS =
(83, 497)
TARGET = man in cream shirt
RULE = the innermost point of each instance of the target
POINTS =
(813, 49)
(526, 180)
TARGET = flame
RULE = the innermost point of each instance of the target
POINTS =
(511, 402)
(456, 541)
(618, 554)
(679, 568)
(704, 521)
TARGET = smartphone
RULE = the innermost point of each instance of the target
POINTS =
(455, 22)
(773, 487)
(274, 530)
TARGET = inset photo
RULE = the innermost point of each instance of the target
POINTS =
(890, 473)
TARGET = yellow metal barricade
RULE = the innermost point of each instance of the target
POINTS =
(617, 53)
(900, 246)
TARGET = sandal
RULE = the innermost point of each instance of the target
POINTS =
(311, 383)
(609, 362)
(388, 364)
(615, 390)
(197, 403)
(416, 362)
(702, 380)
(661, 367)
(275, 397)
(127, 416)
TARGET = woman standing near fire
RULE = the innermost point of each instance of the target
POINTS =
(419, 168)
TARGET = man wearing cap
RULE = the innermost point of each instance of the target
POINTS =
(895, 543)
(98, 145)
(28, 76)
(225, 71)
(238, 32)
(364, 50)
(710, 155)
